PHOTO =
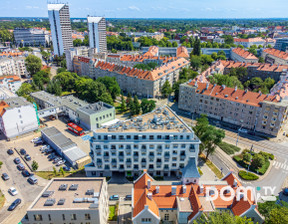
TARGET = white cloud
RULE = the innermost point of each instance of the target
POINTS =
(134, 8)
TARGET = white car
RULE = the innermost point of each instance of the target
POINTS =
(35, 139)
(61, 162)
(44, 147)
(12, 191)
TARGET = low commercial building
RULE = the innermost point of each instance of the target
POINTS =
(158, 141)
(257, 112)
(12, 83)
(90, 116)
(70, 200)
(275, 56)
(241, 55)
(281, 44)
(65, 147)
(184, 201)
(31, 37)
(17, 117)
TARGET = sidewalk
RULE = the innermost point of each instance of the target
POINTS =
(208, 174)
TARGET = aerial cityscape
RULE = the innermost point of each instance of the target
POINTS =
(132, 112)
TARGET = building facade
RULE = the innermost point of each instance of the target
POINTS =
(70, 200)
(274, 56)
(256, 112)
(241, 55)
(31, 37)
(12, 83)
(158, 141)
(97, 33)
(17, 117)
(281, 44)
(60, 24)
(13, 66)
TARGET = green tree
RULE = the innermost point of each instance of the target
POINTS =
(278, 216)
(54, 87)
(129, 101)
(35, 165)
(33, 64)
(197, 47)
(147, 106)
(25, 90)
(55, 171)
(166, 89)
(62, 171)
(195, 62)
(111, 85)
(136, 106)
(253, 51)
(228, 39)
(174, 44)
(123, 104)
(60, 70)
(247, 157)
(67, 80)
(258, 161)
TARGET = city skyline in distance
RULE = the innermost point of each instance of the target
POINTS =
(151, 9)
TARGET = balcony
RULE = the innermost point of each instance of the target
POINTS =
(128, 162)
(106, 157)
(166, 156)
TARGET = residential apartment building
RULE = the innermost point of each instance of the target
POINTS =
(70, 200)
(6, 93)
(254, 111)
(31, 37)
(281, 44)
(13, 66)
(184, 201)
(17, 117)
(12, 83)
(158, 141)
(275, 56)
(97, 33)
(76, 51)
(90, 116)
(247, 43)
(241, 55)
(60, 24)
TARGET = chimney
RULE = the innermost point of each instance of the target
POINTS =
(235, 88)
(173, 191)
(207, 85)
(149, 195)
(157, 189)
(184, 188)
(201, 188)
(235, 183)
(149, 184)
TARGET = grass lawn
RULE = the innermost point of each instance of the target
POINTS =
(113, 212)
(215, 170)
(48, 175)
(2, 200)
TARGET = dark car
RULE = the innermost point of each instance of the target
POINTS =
(26, 173)
(32, 180)
(23, 152)
(14, 204)
(128, 197)
(5, 176)
(285, 191)
(66, 168)
(17, 160)
(20, 166)
(27, 157)
(10, 152)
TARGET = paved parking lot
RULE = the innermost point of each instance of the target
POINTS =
(26, 192)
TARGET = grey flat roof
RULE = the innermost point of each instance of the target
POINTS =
(17, 102)
(75, 153)
(95, 108)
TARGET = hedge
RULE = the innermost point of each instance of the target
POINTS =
(262, 170)
(247, 175)
(228, 148)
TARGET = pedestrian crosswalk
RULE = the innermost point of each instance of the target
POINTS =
(280, 165)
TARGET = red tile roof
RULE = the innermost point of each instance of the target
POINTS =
(152, 51)
(13, 77)
(277, 53)
(244, 54)
(3, 105)
(232, 94)
(249, 40)
(182, 52)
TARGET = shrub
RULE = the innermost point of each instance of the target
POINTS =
(267, 155)
(258, 161)
(200, 171)
(247, 175)
(264, 168)
(228, 148)
(240, 161)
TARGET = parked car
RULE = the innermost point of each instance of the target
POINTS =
(128, 197)
(10, 151)
(27, 157)
(20, 166)
(36, 139)
(57, 159)
(114, 197)
(14, 204)
(285, 191)
(66, 168)
(243, 130)
(44, 147)
(32, 180)
(13, 191)
(17, 160)
(26, 173)
(5, 176)
(51, 155)
(23, 152)
(59, 163)
(48, 151)
(39, 142)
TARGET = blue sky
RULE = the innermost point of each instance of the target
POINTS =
(152, 8)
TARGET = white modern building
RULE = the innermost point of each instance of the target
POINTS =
(17, 117)
(60, 24)
(31, 37)
(158, 141)
(12, 83)
(97, 33)
(70, 200)
(13, 66)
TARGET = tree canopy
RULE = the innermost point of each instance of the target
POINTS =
(33, 64)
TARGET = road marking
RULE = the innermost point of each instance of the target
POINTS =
(274, 163)
(283, 165)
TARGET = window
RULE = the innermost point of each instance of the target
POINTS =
(166, 217)
(73, 216)
(63, 215)
(87, 217)
(146, 220)
(38, 217)
(49, 217)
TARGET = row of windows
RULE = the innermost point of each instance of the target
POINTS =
(159, 147)
(103, 117)
(143, 166)
(39, 217)
(138, 137)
